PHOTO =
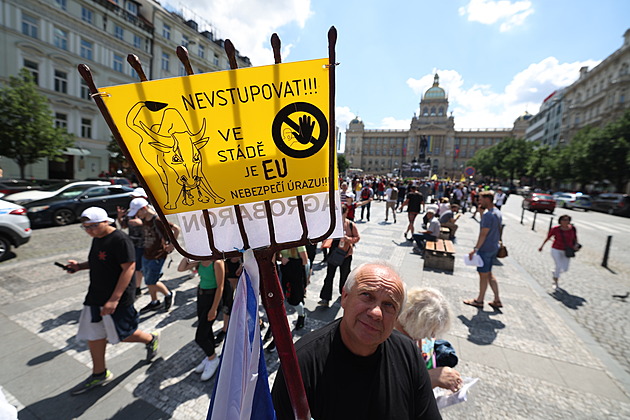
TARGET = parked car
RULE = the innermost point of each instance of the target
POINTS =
(15, 228)
(10, 186)
(51, 191)
(539, 202)
(583, 202)
(67, 206)
(523, 190)
(612, 203)
(565, 200)
(114, 180)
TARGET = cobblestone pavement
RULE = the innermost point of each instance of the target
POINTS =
(543, 356)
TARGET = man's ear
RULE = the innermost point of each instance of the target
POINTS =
(344, 297)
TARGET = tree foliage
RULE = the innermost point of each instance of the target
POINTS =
(592, 155)
(342, 163)
(27, 132)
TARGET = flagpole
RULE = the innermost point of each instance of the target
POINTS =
(273, 301)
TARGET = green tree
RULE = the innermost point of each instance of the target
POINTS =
(615, 156)
(27, 132)
(484, 162)
(342, 163)
(512, 156)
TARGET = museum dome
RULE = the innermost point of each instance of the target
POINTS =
(435, 91)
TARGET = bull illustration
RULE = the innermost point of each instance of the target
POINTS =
(173, 151)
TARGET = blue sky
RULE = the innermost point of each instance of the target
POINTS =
(496, 59)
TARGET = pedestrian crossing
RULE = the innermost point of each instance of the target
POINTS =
(619, 224)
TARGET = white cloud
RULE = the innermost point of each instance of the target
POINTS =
(485, 106)
(489, 12)
(391, 123)
(250, 23)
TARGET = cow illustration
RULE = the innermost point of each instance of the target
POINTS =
(173, 151)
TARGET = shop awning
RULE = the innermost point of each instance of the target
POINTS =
(73, 151)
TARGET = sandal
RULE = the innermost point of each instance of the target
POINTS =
(496, 305)
(473, 302)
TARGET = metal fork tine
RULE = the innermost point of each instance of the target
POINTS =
(135, 64)
(182, 54)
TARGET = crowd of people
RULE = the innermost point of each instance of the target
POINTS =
(387, 343)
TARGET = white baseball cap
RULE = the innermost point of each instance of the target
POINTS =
(95, 215)
(135, 205)
(431, 209)
(139, 192)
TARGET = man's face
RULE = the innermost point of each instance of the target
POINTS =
(95, 230)
(430, 215)
(370, 309)
(485, 201)
(344, 186)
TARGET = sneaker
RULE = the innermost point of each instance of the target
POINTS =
(201, 366)
(152, 347)
(168, 301)
(272, 346)
(92, 382)
(210, 369)
(325, 303)
(152, 306)
(300, 322)
(219, 337)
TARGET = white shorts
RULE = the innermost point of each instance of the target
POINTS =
(93, 331)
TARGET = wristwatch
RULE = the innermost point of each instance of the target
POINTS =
(475, 249)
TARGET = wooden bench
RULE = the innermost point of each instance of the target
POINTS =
(440, 255)
(445, 233)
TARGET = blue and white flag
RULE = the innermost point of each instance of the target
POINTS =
(241, 390)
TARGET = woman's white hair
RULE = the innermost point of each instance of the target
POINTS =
(426, 314)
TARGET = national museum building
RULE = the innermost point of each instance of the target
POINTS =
(431, 141)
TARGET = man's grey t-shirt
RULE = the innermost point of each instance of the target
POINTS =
(491, 219)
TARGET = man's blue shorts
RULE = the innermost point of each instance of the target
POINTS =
(152, 270)
(487, 259)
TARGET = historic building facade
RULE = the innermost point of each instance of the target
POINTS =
(431, 141)
(596, 98)
(51, 37)
(600, 95)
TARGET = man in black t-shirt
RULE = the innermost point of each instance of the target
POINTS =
(357, 367)
(108, 313)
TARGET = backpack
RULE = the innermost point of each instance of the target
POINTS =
(394, 194)
(365, 194)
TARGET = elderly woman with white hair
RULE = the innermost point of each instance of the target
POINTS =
(427, 315)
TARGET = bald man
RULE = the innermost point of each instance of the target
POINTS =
(358, 366)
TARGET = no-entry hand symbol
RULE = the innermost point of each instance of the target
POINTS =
(300, 130)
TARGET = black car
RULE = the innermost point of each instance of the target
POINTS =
(10, 186)
(66, 207)
(612, 203)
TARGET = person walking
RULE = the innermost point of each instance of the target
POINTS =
(499, 198)
(564, 237)
(156, 247)
(391, 198)
(350, 237)
(209, 293)
(367, 195)
(108, 313)
(487, 247)
(413, 202)
(294, 277)
(136, 234)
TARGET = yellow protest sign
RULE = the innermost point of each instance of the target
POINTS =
(232, 137)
